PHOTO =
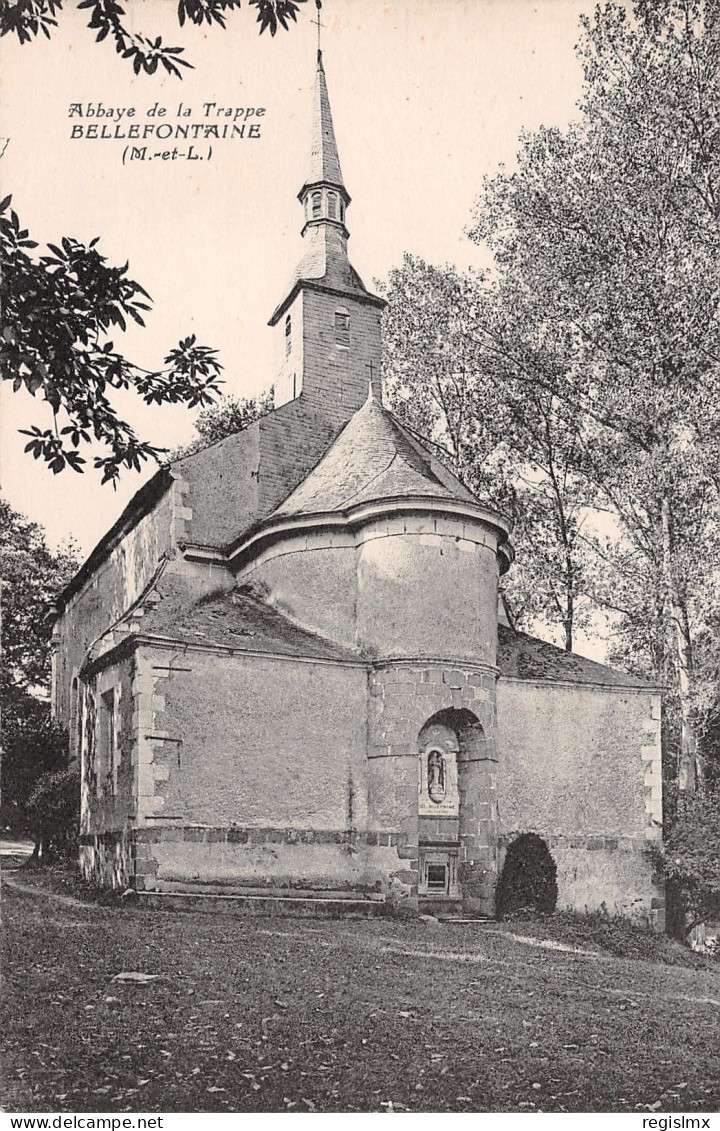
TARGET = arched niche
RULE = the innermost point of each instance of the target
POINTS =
(470, 797)
(438, 748)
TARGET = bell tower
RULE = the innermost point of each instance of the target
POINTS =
(327, 328)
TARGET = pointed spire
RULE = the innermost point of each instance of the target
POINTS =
(324, 160)
(324, 199)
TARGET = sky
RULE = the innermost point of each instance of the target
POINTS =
(428, 97)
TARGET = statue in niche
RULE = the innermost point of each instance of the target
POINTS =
(436, 776)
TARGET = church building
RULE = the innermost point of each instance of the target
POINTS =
(288, 676)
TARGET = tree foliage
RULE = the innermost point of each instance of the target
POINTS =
(502, 436)
(595, 350)
(26, 19)
(59, 310)
(31, 578)
(54, 813)
(32, 745)
(692, 856)
(607, 242)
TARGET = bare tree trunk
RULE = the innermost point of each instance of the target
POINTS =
(568, 625)
(678, 646)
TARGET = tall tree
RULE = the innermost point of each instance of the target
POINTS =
(504, 437)
(30, 578)
(607, 242)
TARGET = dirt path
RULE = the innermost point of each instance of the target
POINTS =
(43, 893)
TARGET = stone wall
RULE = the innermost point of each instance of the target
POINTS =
(252, 740)
(336, 378)
(427, 586)
(119, 579)
(265, 757)
(108, 859)
(376, 586)
(109, 798)
(580, 766)
(108, 785)
(280, 861)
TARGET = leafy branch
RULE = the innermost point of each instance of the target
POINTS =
(58, 311)
(26, 19)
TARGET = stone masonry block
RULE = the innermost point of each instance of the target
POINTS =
(406, 876)
(454, 678)
(395, 526)
(448, 526)
(401, 749)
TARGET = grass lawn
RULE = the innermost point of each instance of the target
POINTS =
(299, 1015)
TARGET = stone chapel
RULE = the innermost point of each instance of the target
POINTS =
(287, 673)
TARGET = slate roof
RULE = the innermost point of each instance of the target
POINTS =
(324, 159)
(233, 619)
(373, 458)
(525, 657)
(325, 263)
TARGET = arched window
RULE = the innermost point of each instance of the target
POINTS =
(288, 335)
(342, 210)
(316, 204)
(332, 205)
(342, 327)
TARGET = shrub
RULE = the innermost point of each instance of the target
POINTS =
(692, 856)
(528, 881)
(54, 810)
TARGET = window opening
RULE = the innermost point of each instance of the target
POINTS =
(108, 734)
(436, 877)
(288, 335)
(316, 204)
(342, 327)
(332, 205)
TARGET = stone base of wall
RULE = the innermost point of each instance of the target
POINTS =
(374, 865)
(615, 875)
(108, 859)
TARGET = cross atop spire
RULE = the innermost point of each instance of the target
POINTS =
(318, 5)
